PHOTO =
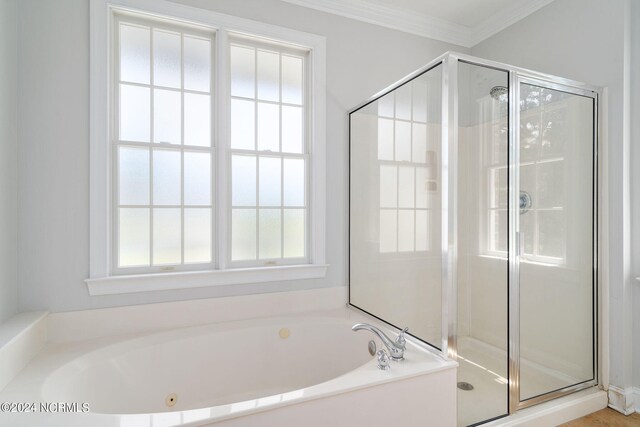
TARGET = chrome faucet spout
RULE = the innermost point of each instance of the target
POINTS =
(396, 348)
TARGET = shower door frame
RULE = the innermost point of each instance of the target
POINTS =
(516, 79)
(516, 76)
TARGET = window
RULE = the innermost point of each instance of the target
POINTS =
(163, 149)
(544, 136)
(210, 158)
(542, 181)
(268, 154)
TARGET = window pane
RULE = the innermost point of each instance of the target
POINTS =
(388, 230)
(291, 129)
(386, 105)
(167, 126)
(166, 59)
(197, 64)
(135, 114)
(388, 186)
(270, 234)
(551, 184)
(528, 229)
(268, 127)
(422, 230)
(197, 235)
(554, 132)
(270, 183)
(419, 142)
(242, 71)
(133, 176)
(242, 124)
(268, 76)
(167, 231)
(552, 231)
(422, 192)
(197, 178)
(498, 187)
(528, 182)
(166, 177)
(294, 182)
(419, 100)
(197, 120)
(405, 187)
(498, 231)
(134, 54)
(291, 80)
(385, 139)
(133, 237)
(403, 102)
(403, 141)
(243, 234)
(405, 230)
(243, 180)
(294, 234)
(529, 137)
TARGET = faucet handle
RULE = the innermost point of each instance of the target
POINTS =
(383, 360)
(400, 341)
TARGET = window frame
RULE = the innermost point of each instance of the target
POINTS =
(102, 279)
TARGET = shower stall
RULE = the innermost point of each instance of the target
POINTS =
(473, 220)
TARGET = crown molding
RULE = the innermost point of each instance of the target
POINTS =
(422, 24)
(505, 18)
(394, 18)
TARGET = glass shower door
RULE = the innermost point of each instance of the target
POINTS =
(556, 239)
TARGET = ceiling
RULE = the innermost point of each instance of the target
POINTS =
(461, 22)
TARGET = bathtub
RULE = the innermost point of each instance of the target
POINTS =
(304, 370)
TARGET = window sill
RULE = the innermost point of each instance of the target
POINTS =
(199, 279)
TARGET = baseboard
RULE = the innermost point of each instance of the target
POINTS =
(624, 400)
(557, 411)
(21, 338)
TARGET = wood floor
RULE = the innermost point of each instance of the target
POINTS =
(606, 418)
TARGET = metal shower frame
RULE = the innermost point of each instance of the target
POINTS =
(449, 196)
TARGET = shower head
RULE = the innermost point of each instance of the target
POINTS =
(497, 92)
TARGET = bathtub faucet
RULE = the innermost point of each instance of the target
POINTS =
(396, 348)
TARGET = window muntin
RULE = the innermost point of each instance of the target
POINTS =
(269, 154)
(163, 153)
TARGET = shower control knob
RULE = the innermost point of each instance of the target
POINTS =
(383, 360)
(525, 202)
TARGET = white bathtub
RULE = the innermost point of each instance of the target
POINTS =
(303, 370)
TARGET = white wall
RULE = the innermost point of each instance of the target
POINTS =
(8, 160)
(54, 138)
(584, 40)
